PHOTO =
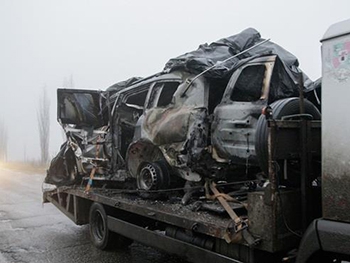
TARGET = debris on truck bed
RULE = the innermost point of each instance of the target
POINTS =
(181, 128)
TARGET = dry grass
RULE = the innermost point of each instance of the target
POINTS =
(29, 168)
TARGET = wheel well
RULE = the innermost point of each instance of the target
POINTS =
(142, 151)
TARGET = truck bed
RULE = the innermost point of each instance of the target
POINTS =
(271, 214)
(167, 211)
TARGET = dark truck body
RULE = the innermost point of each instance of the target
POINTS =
(223, 166)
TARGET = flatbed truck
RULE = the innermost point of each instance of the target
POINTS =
(264, 223)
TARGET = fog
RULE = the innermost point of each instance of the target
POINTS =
(97, 43)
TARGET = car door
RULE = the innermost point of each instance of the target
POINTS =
(126, 112)
(84, 119)
(81, 108)
(234, 122)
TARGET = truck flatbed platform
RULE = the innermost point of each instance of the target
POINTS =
(167, 211)
(127, 214)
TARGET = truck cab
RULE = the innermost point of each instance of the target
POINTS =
(328, 238)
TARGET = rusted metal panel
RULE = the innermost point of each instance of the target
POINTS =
(174, 214)
(274, 228)
(288, 144)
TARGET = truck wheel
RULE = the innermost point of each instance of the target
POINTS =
(100, 235)
(280, 108)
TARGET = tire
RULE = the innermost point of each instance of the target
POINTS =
(279, 108)
(152, 176)
(100, 236)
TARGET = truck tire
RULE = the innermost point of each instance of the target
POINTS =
(100, 235)
(279, 108)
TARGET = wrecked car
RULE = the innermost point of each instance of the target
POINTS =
(201, 117)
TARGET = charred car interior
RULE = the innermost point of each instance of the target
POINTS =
(206, 134)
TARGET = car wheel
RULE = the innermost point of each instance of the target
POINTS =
(152, 176)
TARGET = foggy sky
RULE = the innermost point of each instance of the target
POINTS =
(43, 42)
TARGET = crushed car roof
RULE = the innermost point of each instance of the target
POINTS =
(208, 55)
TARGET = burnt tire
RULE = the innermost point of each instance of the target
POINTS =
(152, 176)
(100, 235)
(280, 109)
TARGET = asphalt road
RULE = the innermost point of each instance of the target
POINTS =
(33, 232)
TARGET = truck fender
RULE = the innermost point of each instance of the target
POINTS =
(309, 244)
(139, 152)
(326, 236)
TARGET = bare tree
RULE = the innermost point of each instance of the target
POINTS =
(3, 142)
(68, 82)
(43, 115)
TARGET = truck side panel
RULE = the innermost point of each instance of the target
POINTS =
(335, 124)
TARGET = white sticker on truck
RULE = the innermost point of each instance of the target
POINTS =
(337, 61)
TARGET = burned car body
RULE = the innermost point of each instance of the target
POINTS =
(178, 124)
(86, 127)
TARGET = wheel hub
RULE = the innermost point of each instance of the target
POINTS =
(148, 177)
